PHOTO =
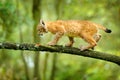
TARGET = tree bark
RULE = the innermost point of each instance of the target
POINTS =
(45, 66)
(53, 70)
(36, 16)
(62, 49)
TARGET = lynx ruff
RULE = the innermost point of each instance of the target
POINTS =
(86, 30)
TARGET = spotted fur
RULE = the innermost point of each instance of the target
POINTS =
(86, 30)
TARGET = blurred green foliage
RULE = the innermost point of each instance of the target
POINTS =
(18, 13)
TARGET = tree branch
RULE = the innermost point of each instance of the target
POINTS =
(62, 49)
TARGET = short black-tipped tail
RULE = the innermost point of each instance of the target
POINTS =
(108, 30)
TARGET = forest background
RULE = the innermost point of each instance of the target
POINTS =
(18, 20)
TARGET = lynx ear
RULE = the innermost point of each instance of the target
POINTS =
(42, 23)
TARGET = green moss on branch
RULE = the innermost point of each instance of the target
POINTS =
(62, 49)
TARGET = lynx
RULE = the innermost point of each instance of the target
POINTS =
(86, 30)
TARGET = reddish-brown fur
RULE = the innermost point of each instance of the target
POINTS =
(72, 28)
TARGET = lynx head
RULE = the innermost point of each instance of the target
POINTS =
(41, 28)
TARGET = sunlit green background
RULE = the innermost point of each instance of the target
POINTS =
(17, 24)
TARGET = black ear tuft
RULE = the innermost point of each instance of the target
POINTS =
(43, 23)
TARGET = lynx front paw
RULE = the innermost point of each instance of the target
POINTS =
(51, 44)
(37, 45)
(68, 45)
(82, 48)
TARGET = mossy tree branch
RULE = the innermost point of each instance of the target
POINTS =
(62, 49)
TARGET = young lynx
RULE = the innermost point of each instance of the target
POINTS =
(86, 30)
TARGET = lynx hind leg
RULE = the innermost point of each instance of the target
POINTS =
(97, 38)
(92, 42)
(71, 41)
(55, 39)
